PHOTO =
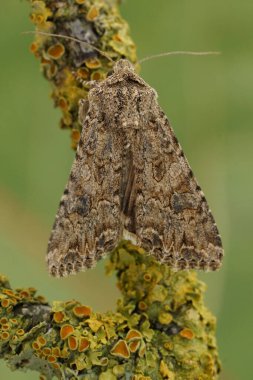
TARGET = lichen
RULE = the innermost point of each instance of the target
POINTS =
(66, 63)
(173, 338)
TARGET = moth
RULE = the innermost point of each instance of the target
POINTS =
(131, 179)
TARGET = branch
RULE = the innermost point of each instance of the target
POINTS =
(63, 62)
(161, 328)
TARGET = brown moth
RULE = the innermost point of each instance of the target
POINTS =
(130, 178)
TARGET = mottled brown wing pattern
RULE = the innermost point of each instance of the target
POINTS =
(130, 175)
(173, 220)
(87, 224)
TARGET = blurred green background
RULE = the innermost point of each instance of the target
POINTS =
(209, 101)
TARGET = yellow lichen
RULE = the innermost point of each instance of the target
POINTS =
(56, 351)
(83, 344)
(46, 351)
(51, 359)
(120, 349)
(93, 63)
(92, 13)
(56, 51)
(66, 331)
(187, 334)
(41, 340)
(165, 372)
(58, 316)
(72, 343)
(82, 311)
(165, 318)
(94, 324)
(133, 346)
(142, 305)
(133, 335)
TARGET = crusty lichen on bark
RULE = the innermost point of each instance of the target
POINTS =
(161, 329)
(63, 62)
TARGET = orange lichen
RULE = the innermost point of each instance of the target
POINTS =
(92, 63)
(5, 303)
(24, 294)
(56, 365)
(3, 321)
(9, 292)
(46, 351)
(52, 70)
(142, 305)
(58, 316)
(80, 1)
(133, 335)
(82, 311)
(14, 321)
(121, 349)
(67, 120)
(40, 19)
(6, 327)
(63, 103)
(187, 334)
(147, 277)
(83, 344)
(15, 339)
(35, 346)
(41, 340)
(83, 73)
(51, 359)
(133, 346)
(5, 335)
(116, 37)
(56, 351)
(45, 61)
(75, 136)
(37, 18)
(66, 331)
(33, 47)
(92, 14)
(20, 332)
(72, 343)
(56, 51)
(32, 290)
(97, 75)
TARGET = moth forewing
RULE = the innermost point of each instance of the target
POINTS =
(130, 178)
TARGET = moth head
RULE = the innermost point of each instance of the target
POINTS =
(123, 65)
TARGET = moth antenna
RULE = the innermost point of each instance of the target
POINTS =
(179, 53)
(71, 39)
